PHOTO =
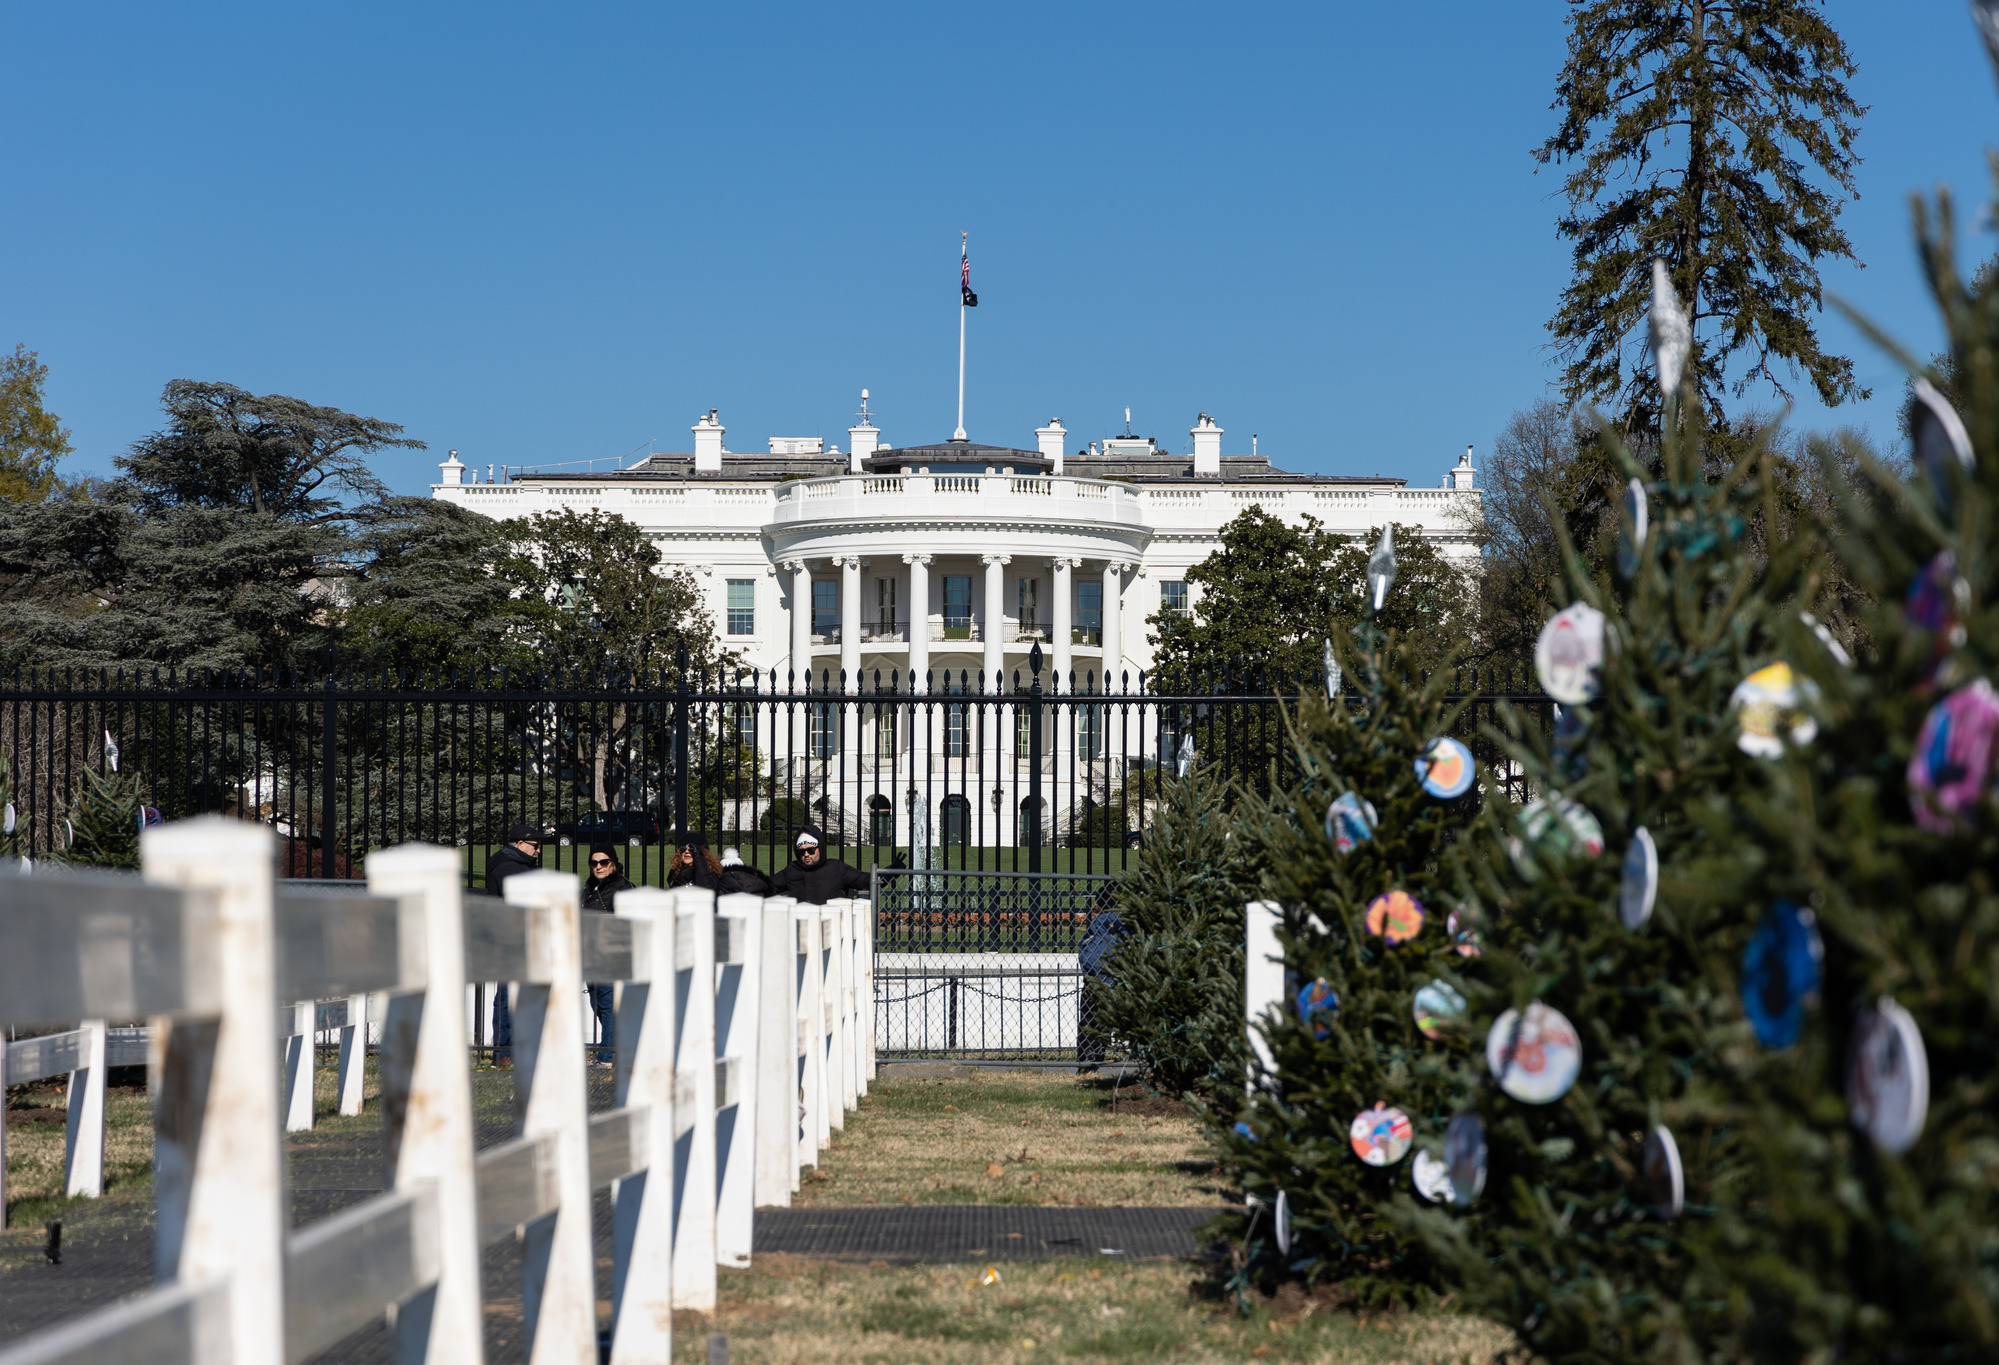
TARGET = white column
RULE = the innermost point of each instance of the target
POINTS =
(919, 620)
(850, 620)
(1113, 639)
(1063, 626)
(995, 615)
(801, 623)
(993, 743)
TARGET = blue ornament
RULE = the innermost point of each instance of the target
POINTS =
(1318, 998)
(1781, 971)
(1244, 1130)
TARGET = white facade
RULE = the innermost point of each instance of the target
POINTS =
(958, 557)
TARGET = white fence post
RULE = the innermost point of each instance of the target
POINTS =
(777, 1057)
(83, 1151)
(1263, 976)
(812, 1037)
(427, 1103)
(839, 1076)
(642, 1203)
(864, 993)
(559, 1296)
(738, 980)
(694, 1102)
(220, 1169)
(354, 1051)
(301, 1054)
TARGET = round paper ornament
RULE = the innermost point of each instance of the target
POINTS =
(1439, 1009)
(1665, 1178)
(69, 834)
(10, 817)
(1431, 1177)
(1464, 1157)
(1244, 1130)
(1349, 821)
(1396, 916)
(1559, 831)
(1316, 999)
(1282, 1221)
(1638, 887)
(1446, 769)
(1888, 1076)
(1781, 968)
(1464, 939)
(1381, 1135)
(1568, 657)
(1771, 701)
(1534, 1053)
(1631, 534)
(1953, 758)
(1938, 435)
(150, 816)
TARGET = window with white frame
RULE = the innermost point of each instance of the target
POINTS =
(742, 612)
(1173, 597)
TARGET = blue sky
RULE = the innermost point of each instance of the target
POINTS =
(554, 233)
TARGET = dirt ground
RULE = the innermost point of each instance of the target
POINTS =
(1015, 1137)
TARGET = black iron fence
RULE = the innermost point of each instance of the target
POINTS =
(964, 776)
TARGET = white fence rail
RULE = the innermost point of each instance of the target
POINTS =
(741, 1041)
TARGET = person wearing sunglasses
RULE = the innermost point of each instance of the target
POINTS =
(607, 878)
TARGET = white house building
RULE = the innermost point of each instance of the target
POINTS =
(917, 561)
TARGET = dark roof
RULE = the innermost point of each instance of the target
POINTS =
(1164, 468)
(956, 452)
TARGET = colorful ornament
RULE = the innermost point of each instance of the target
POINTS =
(1317, 998)
(1534, 1053)
(1446, 769)
(1631, 532)
(1464, 1156)
(1431, 1177)
(1568, 657)
(149, 816)
(1381, 1135)
(1243, 1130)
(1952, 763)
(1638, 886)
(1936, 599)
(1781, 969)
(1771, 700)
(1396, 916)
(1464, 940)
(1888, 1076)
(1559, 831)
(1665, 1177)
(1349, 821)
(1439, 1009)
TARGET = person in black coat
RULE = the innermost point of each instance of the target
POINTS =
(811, 877)
(739, 878)
(521, 853)
(694, 865)
(607, 878)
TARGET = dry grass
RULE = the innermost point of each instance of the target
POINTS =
(1014, 1137)
(785, 1309)
(36, 1132)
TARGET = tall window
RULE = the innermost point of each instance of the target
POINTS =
(1023, 733)
(881, 820)
(885, 608)
(957, 820)
(1173, 598)
(825, 729)
(1089, 613)
(957, 730)
(1089, 731)
(957, 607)
(742, 606)
(885, 733)
(1030, 610)
(825, 607)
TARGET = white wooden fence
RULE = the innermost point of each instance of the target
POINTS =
(741, 1042)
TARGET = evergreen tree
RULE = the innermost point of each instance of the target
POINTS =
(1171, 990)
(1579, 1242)
(105, 816)
(1720, 137)
(1353, 855)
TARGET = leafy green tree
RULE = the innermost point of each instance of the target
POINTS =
(1272, 591)
(32, 439)
(1171, 995)
(1350, 852)
(1720, 138)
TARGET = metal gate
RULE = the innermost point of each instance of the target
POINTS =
(983, 967)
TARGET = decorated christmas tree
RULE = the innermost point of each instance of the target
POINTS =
(105, 816)
(1350, 1102)
(1606, 1001)
(1169, 991)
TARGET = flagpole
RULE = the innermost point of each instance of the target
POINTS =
(959, 434)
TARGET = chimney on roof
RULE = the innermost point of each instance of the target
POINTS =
(865, 437)
(708, 432)
(451, 473)
(1207, 446)
(1050, 439)
(1464, 475)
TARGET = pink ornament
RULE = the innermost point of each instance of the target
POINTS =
(1953, 759)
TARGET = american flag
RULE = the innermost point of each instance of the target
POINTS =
(965, 293)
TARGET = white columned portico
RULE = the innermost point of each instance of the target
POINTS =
(1113, 636)
(850, 621)
(1063, 626)
(801, 624)
(919, 620)
(995, 618)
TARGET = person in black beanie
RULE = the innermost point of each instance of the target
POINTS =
(811, 877)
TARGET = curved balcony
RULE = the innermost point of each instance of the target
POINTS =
(1032, 512)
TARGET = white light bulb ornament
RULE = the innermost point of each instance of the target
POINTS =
(1381, 570)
